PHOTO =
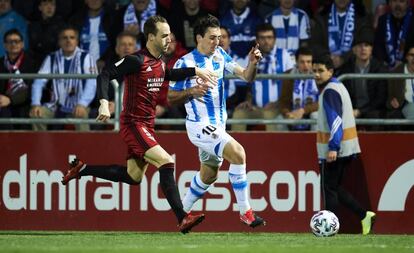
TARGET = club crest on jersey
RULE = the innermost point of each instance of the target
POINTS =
(217, 58)
(200, 80)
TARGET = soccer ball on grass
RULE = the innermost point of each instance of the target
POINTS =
(324, 223)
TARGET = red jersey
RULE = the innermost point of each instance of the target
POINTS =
(141, 90)
(143, 82)
(178, 53)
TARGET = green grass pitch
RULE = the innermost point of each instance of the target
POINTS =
(40, 241)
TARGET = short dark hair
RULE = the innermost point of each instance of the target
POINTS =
(264, 28)
(324, 59)
(69, 27)
(226, 29)
(125, 34)
(303, 51)
(202, 24)
(11, 32)
(150, 25)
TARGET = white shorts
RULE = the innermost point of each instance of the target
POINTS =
(210, 140)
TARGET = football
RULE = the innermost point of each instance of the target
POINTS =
(324, 223)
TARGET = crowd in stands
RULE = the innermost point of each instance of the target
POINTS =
(84, 36)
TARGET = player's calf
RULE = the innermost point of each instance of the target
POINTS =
(114, 173)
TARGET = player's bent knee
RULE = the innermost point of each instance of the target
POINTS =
(234, 153)
(166, 160)
(136, 177)
(135, 172)
(239, 159)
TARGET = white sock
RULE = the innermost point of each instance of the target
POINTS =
(196, 192)
(238, 180)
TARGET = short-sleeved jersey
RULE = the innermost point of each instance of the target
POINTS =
(142, 89)
(143, 75)
(212, 106)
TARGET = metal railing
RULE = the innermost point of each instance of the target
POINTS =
(117, 98)
(118, 102)
(380, 76)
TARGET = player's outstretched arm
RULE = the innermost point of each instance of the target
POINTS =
(249, 73)
(179, 74)
(128, 65)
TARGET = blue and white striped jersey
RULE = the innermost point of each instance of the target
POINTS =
(291, 29)
(268, 90)
(212, 106)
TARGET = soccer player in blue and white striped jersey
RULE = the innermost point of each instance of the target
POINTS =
(206, 116)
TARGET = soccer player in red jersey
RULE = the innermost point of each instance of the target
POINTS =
(144, 73)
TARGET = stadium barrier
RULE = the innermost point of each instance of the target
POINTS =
(118, 102)
(282, 171)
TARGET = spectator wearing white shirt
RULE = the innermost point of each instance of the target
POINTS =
(69, 97)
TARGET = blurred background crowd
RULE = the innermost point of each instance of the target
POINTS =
(83, 36)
